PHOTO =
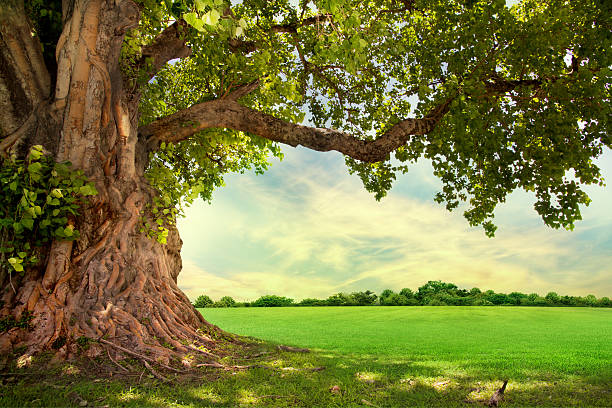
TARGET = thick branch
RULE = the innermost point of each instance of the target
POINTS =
(228, 113)
(168, 45)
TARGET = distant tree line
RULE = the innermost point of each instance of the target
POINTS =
(433, 293)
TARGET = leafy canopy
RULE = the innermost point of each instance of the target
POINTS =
(526, 88)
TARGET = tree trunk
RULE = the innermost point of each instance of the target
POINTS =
(113, 282)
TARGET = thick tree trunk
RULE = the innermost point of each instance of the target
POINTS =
(114, 282)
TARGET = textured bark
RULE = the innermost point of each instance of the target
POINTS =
(113, 283)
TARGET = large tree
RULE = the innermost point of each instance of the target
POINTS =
(153, 101)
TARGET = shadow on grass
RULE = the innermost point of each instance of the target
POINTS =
(284, 379)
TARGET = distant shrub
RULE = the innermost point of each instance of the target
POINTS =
(225, 301)
(312, 302)
(395, 299)
(203, 301)
(363, 298)
(482, 302)
(499, 299)
(339, 299)
(272, 301)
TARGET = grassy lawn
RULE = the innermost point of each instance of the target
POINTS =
(482, 342)
(376, 356)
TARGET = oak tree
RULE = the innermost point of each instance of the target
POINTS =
(139, 106)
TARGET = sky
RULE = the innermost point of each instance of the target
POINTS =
(306, 228)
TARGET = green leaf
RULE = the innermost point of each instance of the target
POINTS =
(88, 190)
(201, 5)
(28, 223)
(22, 254)
(17, 227)
(36, 152)
(191, 18)
(212, 17)
(34, 168)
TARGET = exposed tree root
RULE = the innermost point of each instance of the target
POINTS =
(155, 373)
(140, 356)
(116, 363)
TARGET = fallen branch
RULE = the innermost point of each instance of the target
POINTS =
(257, 355)
(293, 349)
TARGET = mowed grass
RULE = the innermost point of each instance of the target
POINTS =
(361, 357)
(479, 342)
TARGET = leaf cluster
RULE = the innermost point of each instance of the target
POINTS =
(39, 201)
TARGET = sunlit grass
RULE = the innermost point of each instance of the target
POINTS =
(487, 342)
(385, 357)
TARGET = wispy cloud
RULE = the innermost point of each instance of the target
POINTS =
(309, 229)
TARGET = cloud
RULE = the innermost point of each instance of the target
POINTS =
(308, 229)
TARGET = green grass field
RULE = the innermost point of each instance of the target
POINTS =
(485, 342)
(375, 356)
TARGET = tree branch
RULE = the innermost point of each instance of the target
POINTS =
(168, 45)
(228, 113)
(292, 27)
(247, 47)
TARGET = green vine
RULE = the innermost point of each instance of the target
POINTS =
(37, 201)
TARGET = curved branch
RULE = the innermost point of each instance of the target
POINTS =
(168, 45)
(228, 113)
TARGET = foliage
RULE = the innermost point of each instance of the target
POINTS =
(363, 298)
(312, 302)
(526, 89)
(339, 299)
(225, 301)
(202, 301)
(272, 301)
(39, 202)
(438, 293)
